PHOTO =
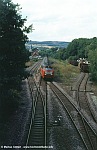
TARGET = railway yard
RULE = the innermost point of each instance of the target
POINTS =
(52, 116)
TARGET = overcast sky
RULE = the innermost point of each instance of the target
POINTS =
(60, 20)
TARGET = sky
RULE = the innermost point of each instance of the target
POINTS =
(60, 20)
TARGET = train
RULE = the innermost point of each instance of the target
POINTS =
(84, 65)
(46, 69)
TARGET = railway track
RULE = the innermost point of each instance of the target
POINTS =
(86, 132)
(33, 69)
(82, 97)
(36, 136)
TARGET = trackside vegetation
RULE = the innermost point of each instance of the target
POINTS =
(64, 72)
(78, 48)
(13, 53)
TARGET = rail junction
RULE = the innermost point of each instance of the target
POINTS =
(45, 119)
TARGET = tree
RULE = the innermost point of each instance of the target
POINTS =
(13, 53)
(92, 55)
(78, 48)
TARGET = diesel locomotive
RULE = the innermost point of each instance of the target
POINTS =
(46, 69)
(84, 65)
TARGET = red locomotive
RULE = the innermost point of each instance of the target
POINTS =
(46, 70)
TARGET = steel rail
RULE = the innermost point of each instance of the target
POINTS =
(70, 100)
(36, 96)
(82, 87)
(78, 112)
(39, 97)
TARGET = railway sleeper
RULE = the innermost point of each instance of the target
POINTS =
(38, 130)
(37, 137)
(38, 125)
(39, 133)
(38, 121)
(37, 140)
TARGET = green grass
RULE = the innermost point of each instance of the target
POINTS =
(29, 63)
(64, 72)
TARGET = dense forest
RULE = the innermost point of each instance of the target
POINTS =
(78, 48)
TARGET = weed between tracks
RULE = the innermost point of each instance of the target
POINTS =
(30, 63)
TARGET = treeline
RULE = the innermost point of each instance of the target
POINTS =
(13, 53)
(49, 43)
(78, 48)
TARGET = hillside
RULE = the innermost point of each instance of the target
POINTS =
(49, 43)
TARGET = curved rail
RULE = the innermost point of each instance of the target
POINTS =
(89, 141)
(82, 97)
